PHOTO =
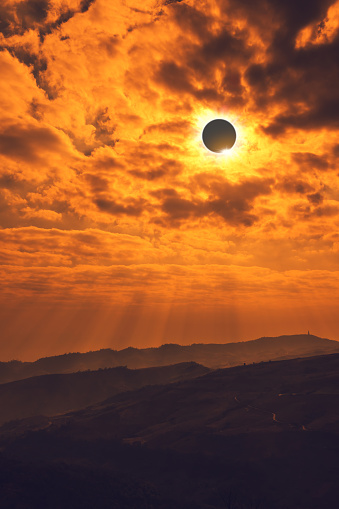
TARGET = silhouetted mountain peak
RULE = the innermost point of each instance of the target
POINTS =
(212, 355)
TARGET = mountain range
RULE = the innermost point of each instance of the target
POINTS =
(60, 393)
(210, 355)
(262, 434)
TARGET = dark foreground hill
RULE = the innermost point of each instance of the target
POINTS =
(55, 394)
(210, 355)
(263, 436)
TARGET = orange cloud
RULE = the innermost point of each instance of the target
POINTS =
(107, 194)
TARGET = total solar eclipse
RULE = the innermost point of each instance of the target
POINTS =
(218, 135)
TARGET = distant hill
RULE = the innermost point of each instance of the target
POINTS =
(262, 436)
(59, 393)
(210, 355)
(302, 393)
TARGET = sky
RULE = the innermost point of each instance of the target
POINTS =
(117, 227)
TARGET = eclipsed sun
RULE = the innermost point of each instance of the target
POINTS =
(219, 135)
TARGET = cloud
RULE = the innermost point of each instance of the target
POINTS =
(294, 184)
(106, 189)
(133, 208)
(232, 202)
(192, 20)
(225, 49)
(297, 82)
(174, 77)
(323, 114)
(29, 142)
(315, 198)
(44, 15)
(18, 17)
(32, 246)
(168, 168)
(121, 284)
(309, 161)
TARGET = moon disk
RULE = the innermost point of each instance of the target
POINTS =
(218, 135)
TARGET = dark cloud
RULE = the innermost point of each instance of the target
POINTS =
(98, 184)
(303, 80)
(292, 15)
(168, 2)
(6, 22)
(174, 77)
(38, 66)
(232, 84)
(57, 205)
(66, 15)
(16, 19)
(179, 79)
(190, 19)
(294, 185)
(165, 193)
(132, 208)
(104, 128)
(326, 211)
(36, 12)
(308, 161)
(194, 72)
(19, 186)
(224, 46)
(50, 27)
(307, 212)
(302, 210)
(209, 94)
(148, 175)
(233, 212)
(181, 208)
(234, 203)
(32, 11)
(27, 143)
(315, 198)
(35, 109)
(85, 5)
(9, 181)
(243, 190)
(31, 14)
(324, 114)
(167, 168)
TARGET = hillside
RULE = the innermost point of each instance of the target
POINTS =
(263, 436)
(60, 393)
(302, 393)
(210, 355)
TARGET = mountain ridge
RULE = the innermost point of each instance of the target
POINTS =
(203, 443)
(211, 355)
(166, 345)
(59, 393)
(200, 443)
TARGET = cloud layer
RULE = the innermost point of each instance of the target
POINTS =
(106, 191)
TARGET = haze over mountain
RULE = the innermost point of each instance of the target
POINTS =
(257, 436)
(60, 393)
(210, 355)
(300, 393)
